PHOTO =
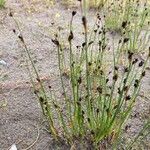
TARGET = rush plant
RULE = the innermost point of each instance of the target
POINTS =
(97, 98)
(91, 3)
(130, 20)
(125, 10)
(97, 3)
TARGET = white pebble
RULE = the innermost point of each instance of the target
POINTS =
(13, 147)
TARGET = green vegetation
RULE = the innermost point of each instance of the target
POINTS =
(91, 3)
(98, 97)
(125, 10)
(97, 3)
(2, 3)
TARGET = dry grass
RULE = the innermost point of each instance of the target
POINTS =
(91, 3)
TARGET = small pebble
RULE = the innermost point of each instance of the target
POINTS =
(2, 62)
(13, 147)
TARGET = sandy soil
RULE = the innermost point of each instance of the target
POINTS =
(20, 114)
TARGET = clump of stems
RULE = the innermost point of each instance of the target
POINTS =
(2, 3)
(100, 99)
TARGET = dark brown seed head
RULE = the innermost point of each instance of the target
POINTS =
(80, 99)
(83, 112)
(116, 68)
(136, 83)
(126, 69)
(95, 30)
(73, 64)
(74, 13)
(83, 44)
(101, 72)
(11, 14)
(78, 103)
(99, 32)
(115, 77)
(14, 30)
(86, 95)
(120, 41)
(92, 132)
(56, 106)
(100, 43)
(70, 36)
(98, 67)
(63, 94)
(143, 73)
(126, 88)
(125, 80)
(105, 106)
(95, 71)
(135, 61)
(115, 107)
(46, 108)
(110, 87)
(52, 23)
(56, 35)
(97, 110)
(127, 127)
(91, 43)
(98, 17)
(89, 63)
(119, 91)
(88, 119)
(107, 80)
(141, 63)
(41, 99)
(107, 110)
(77, 46)
(99, 89)
(126, 40)
(45, 103)
(124, 24)
(36, 91)
(38, 79)
(79, 80)
(128, 97)
(146, 14)
(104, 32)
(55, 41)
(21, 38)
(84, 21)
(130, 54)
(107, 95)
